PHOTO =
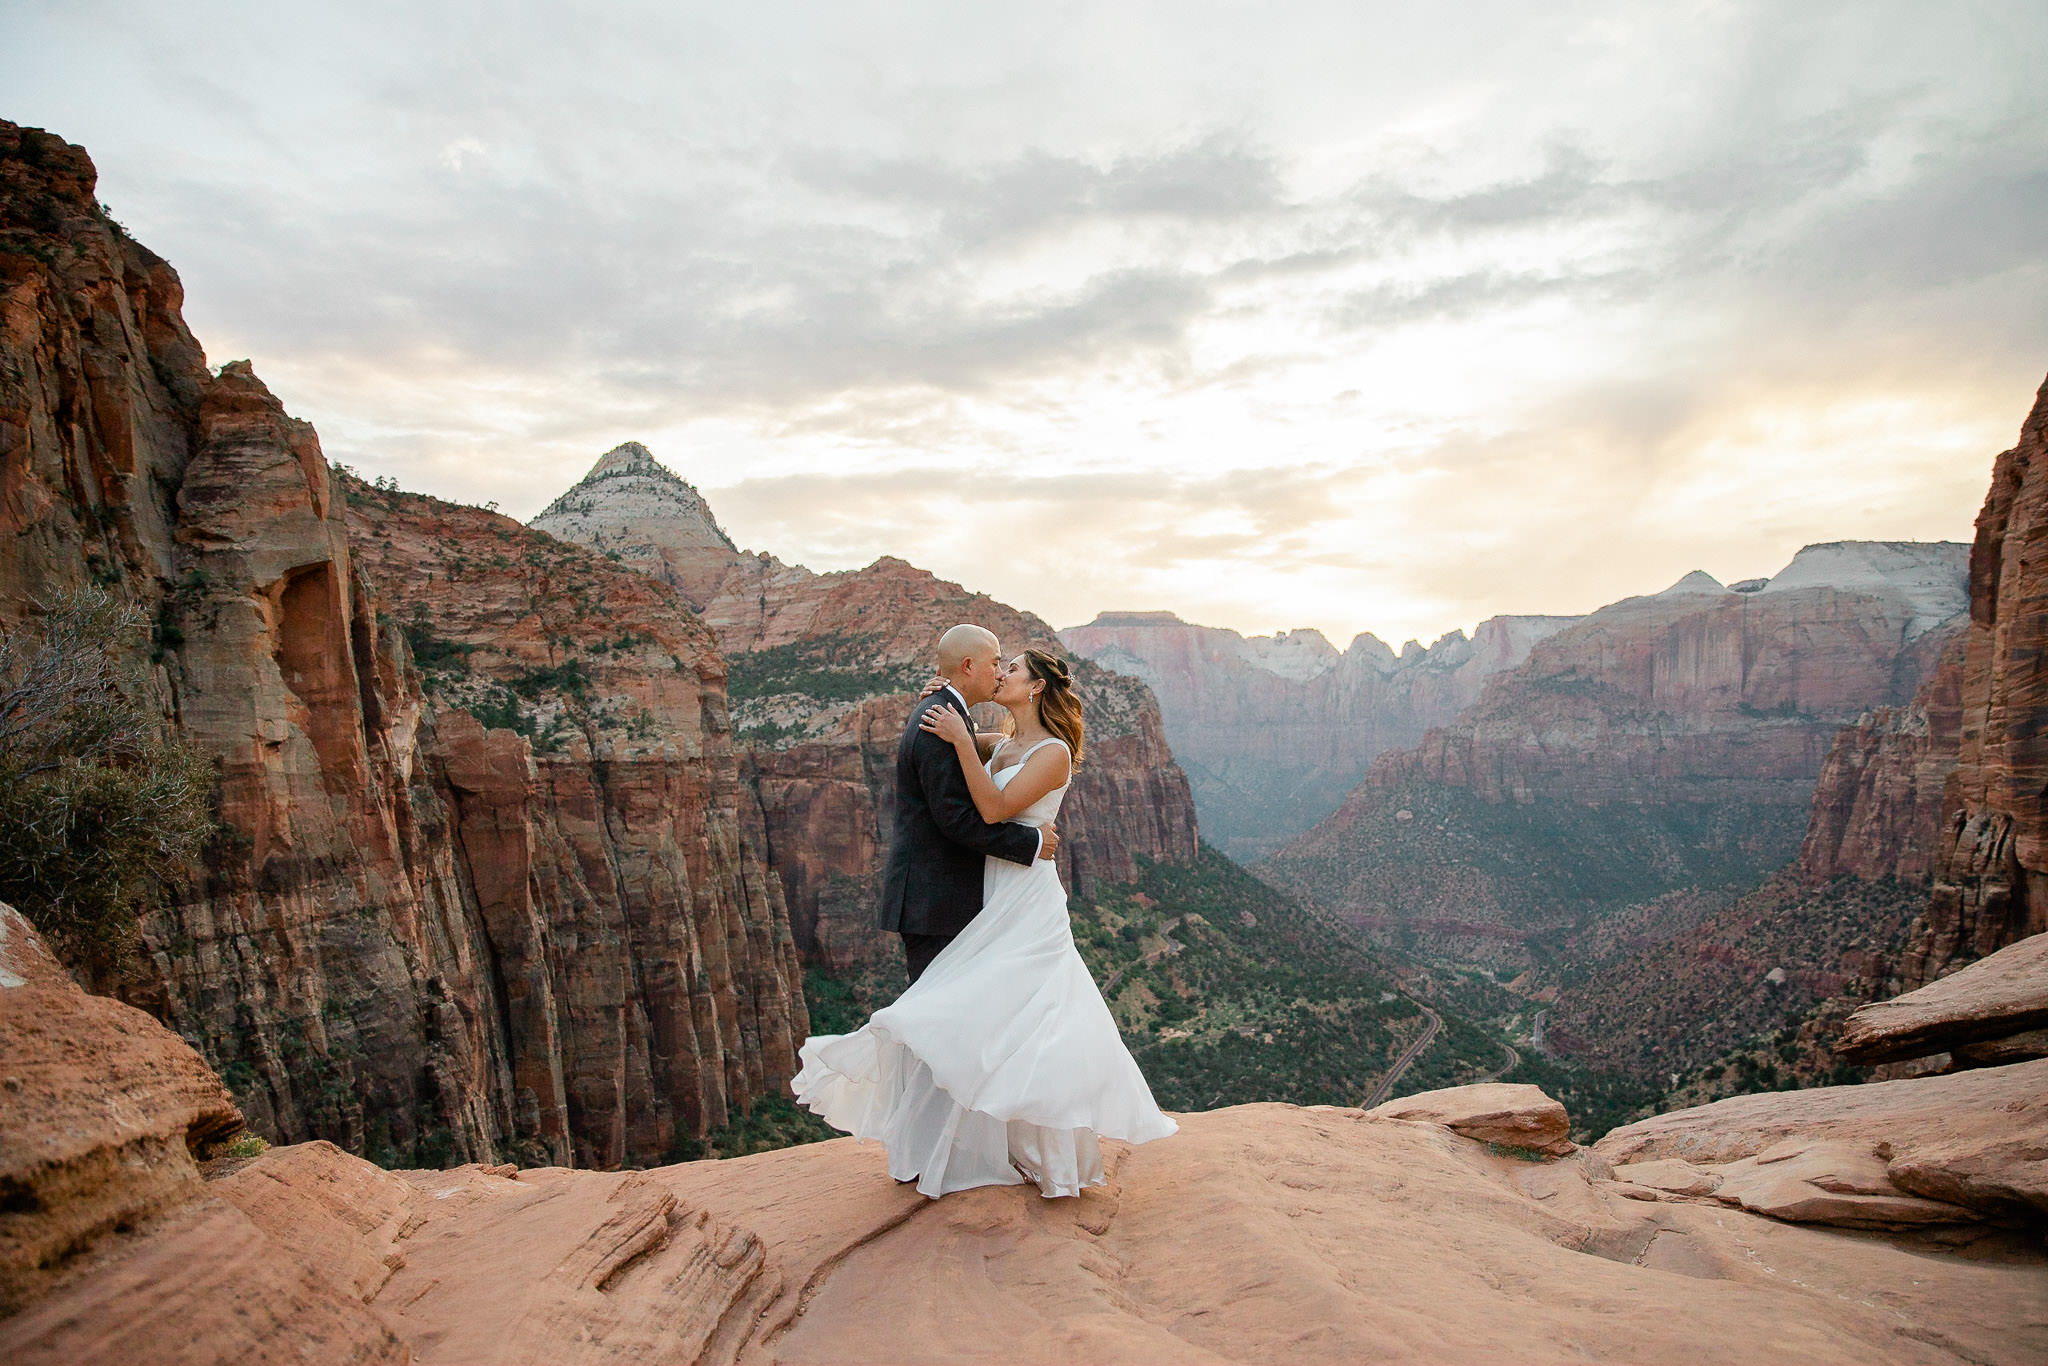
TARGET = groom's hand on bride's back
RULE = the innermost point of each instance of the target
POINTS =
(1049, 841)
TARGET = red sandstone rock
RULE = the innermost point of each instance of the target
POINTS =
(1972, 1139)
(1261, 1233)
(104, 1111)
(652, 981)
(1512, 1114)
(335, 961)
(1993, 998)
(1877, 804)
(111, 1247)
(1988, 888)
(1690, 723)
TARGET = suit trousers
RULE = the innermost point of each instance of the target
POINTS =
(920, 949)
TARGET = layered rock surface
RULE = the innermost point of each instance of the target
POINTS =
(1988, 885)
(823, 671)
(366, 957)
(616, 858)
(112, 1246)
(1261, 1233)
(1274, 730)
(1972, 1142)
(1994, 1010)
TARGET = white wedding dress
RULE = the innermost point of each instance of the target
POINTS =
(1001, 1064)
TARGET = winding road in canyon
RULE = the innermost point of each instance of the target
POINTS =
(1409, 1055)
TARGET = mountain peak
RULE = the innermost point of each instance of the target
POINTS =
(633, 506)
(1931, 579)
(1699, 581)
(629, 457)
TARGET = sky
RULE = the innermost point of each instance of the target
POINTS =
(1347, 315)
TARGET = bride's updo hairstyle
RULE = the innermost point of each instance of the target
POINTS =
(1058, 706)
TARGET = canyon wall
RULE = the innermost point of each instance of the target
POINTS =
(824, 668)
(1877, 805)
(1907, 872)
(1663, 742)
(410, 937)
(1274, 730)
(1989, 883)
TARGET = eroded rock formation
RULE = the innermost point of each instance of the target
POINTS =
(364, 959)
(1274, 730)
(1989, 889)
(651, 979)
(1991, 1012)
(630, 504)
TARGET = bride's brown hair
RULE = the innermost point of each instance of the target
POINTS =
(1058, 706)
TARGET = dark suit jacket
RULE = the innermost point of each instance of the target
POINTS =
(932, 884)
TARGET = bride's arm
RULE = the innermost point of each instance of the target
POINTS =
(1043, 771)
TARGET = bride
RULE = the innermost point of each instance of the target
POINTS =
(1001, 1064)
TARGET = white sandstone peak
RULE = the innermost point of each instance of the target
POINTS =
(1931, 579)
(1300, 654)
(634, 507)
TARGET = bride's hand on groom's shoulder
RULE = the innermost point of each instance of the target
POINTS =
(932, 685)
(948, 725)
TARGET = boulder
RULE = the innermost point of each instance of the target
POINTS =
(1991, 1000)
(106, 1111)
(1841, 1183)
(1976, 1141)
(113, 1249)
(1511, 1114)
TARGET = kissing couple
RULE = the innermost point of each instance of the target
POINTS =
(1001, 1064)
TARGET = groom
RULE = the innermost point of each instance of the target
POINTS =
(932, 886)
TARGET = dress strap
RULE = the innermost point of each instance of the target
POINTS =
(1048, 740)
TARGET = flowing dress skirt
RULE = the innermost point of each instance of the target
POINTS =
(1000, 1064)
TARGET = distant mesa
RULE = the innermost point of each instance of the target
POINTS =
(1931, 578)
(1274, 730)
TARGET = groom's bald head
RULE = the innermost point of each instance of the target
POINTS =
(967, 657)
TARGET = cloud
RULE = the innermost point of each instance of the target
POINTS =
(1377, 317)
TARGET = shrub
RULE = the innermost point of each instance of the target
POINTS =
(101, 810)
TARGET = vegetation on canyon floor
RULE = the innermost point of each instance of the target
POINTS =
(101, 811)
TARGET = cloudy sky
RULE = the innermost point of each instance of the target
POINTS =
(1360, 316)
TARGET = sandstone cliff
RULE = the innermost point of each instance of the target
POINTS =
(1877, 806)
(1988, 887)
(1274, 730)
(823, 671)
(407, 939)
(1447, 1229)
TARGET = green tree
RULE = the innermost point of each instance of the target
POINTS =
(102, 810)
